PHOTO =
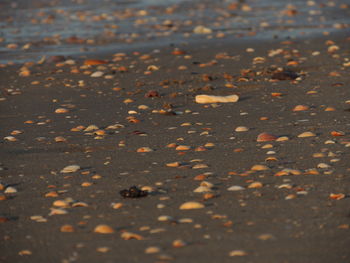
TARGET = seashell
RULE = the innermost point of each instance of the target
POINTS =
(235, 188)
(266, 137)
(203, 99)
(241, 129)
(306, 134)
(300, 108)
(103, 229)
(70, 169)
(259, 167)
(191, 205)
(129, 235)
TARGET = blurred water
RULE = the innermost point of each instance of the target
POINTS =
(30, 29)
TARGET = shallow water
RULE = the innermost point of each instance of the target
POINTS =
(31, 29)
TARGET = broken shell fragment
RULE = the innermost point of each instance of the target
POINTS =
(203, 99)
(336, 196)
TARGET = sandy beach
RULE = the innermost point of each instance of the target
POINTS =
(263, 178)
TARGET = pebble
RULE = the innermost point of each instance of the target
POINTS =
(191, 205)
(70, 169)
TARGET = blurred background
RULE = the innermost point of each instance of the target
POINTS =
(30, 29)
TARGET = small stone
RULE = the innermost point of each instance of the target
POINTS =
(306, 134)
(191, 205)
(103, 229)
(70, 169)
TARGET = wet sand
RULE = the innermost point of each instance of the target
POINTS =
(292, 207)
(100, 96)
